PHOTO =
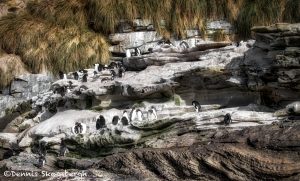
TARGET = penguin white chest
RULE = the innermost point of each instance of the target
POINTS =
(96, 67)
(133, 115)
(140, 116)
(128, 53)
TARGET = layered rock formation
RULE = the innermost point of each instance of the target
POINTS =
(272, 66)
(142, 35)
(256, 83)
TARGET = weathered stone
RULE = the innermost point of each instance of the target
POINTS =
(225, 154)
(290, 41)
(279, 27)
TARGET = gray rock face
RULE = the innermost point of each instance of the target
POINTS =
(273, 64)
(256, 84)
(24, 88)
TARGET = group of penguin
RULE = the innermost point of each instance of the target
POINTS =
(137, 52)
(126, 120)
(227, 117)
(116, 69)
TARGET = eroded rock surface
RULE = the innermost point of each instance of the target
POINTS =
(255, 83)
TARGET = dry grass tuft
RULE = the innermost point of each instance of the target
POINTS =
(44, 46)
(10, 66)
(220, 35)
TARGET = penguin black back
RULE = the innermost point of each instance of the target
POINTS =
(113, 65)
(121, 71)
(100, 123)
(75, 75)
(291, 110)
(184, 45)
(227, 119)
(137, 52)
(124, 121)
(84, 78)
(100, 67)
(42, 161)
(78, 128)
(119, 64)
(61, 75)
(196, 105)
(115, 120)
(113, 73)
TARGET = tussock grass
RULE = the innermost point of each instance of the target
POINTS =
(291, 11)
(179, 15)
(220, 35)
(43, 46)
(60, 12)
(10, 66)
(258, 12)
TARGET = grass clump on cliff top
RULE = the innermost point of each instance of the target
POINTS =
(43, 46)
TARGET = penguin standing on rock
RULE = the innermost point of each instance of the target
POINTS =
(128, 53)
(96, 67)
(78, 128)
(137, 52)
(133, 114)
(42, 161)
(152, 114)
(121, 72)
(61, 75)
(115, 120)
(113, 73)
(75, 75)
(140, 115)
(184, 45)
(196, 105)
(100, 67)
(84, 78)
(125, 119)
(100, 123)
(227, 119)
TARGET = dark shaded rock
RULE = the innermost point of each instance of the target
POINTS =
(266, 152)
